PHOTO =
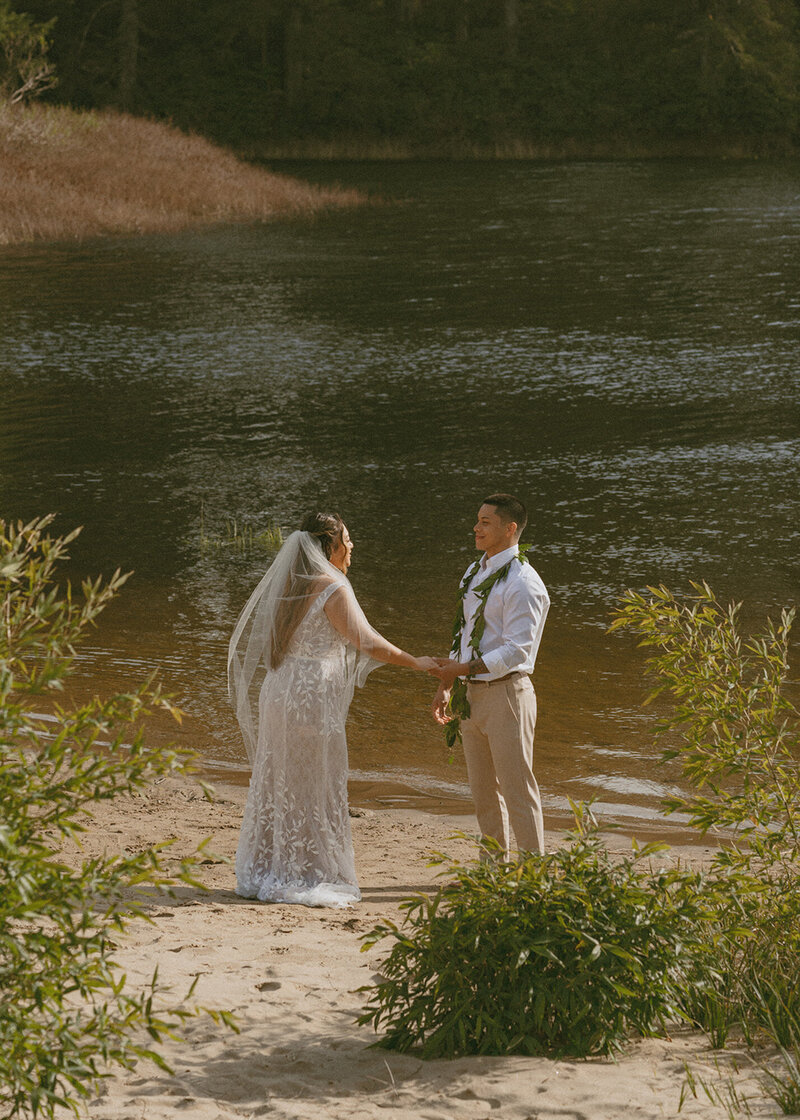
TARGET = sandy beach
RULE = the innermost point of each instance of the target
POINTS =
(290, 974)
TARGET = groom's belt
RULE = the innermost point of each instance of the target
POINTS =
(499, 680)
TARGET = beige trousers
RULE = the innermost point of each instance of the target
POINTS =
(498, 748)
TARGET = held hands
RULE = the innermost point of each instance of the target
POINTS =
(427, 665)
(439, 667)
(447, 669)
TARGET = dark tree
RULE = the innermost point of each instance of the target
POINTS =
(441, 75)
(128, 52)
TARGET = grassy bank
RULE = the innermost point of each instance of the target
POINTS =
(70, 175)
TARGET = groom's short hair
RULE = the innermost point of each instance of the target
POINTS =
(508, 509)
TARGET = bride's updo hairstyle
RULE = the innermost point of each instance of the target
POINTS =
(327, 528)
(303, 583)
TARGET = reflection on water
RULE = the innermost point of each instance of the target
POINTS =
(617, 343)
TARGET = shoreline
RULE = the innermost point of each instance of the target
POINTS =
(291, 976)
(72, 175)
(355, 150)
(383, 794)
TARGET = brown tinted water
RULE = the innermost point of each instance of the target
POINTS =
(616, 343)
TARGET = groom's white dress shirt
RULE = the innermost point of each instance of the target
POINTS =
(515, 614)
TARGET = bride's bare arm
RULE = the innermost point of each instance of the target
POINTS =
(346, 616)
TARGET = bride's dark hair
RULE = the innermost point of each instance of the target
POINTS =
(328, 529)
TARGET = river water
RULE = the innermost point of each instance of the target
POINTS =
(616, 343)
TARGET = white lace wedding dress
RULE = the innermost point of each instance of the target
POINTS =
(295, 843)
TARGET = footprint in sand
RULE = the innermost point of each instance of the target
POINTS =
(469, 1095)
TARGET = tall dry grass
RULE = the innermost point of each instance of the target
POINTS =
(70, 175)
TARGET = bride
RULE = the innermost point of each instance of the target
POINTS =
(300, 647)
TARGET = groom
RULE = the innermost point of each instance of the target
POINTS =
(504, 606)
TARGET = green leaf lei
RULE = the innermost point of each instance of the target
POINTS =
(458, 705)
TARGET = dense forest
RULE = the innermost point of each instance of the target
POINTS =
(437, 76)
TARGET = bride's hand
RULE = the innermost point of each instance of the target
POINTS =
(427, 665)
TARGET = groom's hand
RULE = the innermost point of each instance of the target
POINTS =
(448, 670)
(439, 705)
(440, 664)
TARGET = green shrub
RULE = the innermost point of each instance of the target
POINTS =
(564, 953)
(735, 732)
(65, 1010)
(737, 738)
